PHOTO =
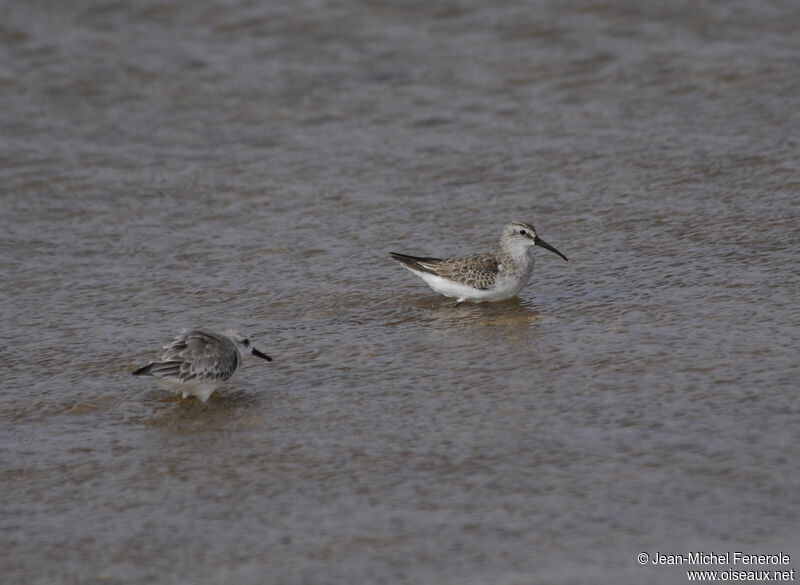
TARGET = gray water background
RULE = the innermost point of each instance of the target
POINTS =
(166, 164)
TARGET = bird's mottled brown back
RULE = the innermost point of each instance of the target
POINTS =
(478, 270)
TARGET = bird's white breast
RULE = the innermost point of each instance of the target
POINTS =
(504, 288)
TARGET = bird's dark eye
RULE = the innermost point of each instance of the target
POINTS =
(247, 342)
(522, 232)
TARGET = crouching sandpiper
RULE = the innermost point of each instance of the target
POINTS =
(199, 361)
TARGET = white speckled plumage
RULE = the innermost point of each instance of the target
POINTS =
(199, 361)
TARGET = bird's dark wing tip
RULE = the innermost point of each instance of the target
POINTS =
(143, 371)
(417, 263)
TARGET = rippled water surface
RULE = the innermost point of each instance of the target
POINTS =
(166, 164)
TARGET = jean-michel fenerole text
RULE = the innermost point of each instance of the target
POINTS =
(727, 558)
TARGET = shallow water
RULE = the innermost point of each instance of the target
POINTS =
(250, 165)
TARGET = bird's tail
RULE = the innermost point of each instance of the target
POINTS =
(161, 369)
(416, 262)
(144, 370)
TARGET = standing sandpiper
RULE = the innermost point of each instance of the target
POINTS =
(496, 275)
(198, 361)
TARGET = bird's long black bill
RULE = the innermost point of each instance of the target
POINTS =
(540, 242)
(263, 356)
